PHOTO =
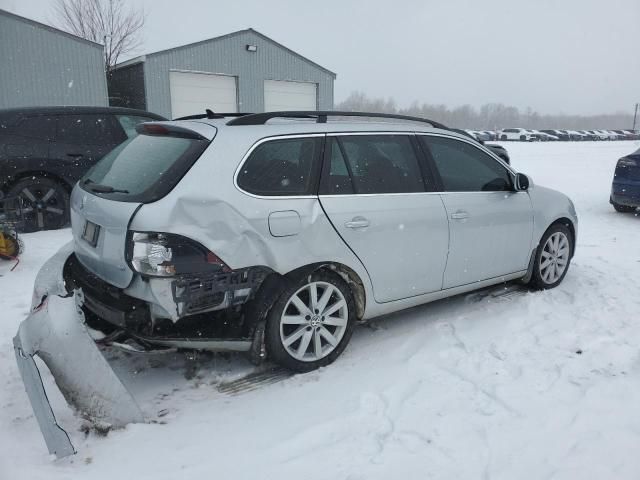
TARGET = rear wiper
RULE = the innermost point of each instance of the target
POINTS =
(98, 187)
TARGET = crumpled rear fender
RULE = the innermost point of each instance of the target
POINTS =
(55, 331)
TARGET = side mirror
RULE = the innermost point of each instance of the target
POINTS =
(522, 182)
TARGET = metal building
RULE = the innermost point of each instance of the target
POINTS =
(242, 71)
(43, 66)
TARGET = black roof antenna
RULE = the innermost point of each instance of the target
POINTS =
(210, 114)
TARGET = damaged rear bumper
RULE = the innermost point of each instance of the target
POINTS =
(55, 332)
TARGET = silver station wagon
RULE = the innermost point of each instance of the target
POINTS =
(274, 234)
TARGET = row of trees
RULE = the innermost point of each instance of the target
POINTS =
(488, 117)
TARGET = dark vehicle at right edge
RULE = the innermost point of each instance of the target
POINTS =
(625, 189)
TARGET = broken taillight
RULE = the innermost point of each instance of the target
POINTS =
(167, 254)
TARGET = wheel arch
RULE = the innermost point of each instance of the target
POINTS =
(567, 222)
(349, 275)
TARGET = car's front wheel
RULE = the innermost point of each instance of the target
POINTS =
(311, 323)
(45, 203)
(552, 257)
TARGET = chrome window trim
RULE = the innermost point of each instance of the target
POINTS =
(256, 145)
(361, 133)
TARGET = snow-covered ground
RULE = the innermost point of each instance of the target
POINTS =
(542, 385)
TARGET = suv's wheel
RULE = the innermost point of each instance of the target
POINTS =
(311, 323)
(523, 138)
(552, 257)
(503, 137)
(623, 208)
(45, 203)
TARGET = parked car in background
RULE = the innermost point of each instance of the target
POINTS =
(544, 136)
(626, 134)
(499, 150)
(521, 134)
(559, 134)
(598, 135)
(44, 151)
(589, 135)
(480, 135)
(576, 135)
(625, 188)
(607, 135)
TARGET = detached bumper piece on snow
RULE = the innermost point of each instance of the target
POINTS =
(56, 333)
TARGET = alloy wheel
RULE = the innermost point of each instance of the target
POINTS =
(314, 321)
(42, 206)
(554, 258)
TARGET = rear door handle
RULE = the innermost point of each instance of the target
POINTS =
(357, 222)
(74, 155)
(460, 215)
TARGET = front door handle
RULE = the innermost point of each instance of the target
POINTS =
(357, 222)
(74, 155)
(460, 215)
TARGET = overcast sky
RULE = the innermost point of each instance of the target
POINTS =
(555, 56)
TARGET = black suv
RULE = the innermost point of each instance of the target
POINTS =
(45, 150)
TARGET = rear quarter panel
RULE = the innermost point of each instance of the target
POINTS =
(207, 207)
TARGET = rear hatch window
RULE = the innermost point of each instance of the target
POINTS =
(147, 167)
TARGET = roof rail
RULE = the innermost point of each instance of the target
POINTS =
(211, 114)
(321, 117)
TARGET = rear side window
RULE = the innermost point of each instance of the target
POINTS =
(144, 168)
(282, 167)
(39, 127)
(381, 163)
(90, 129)
(465, 168)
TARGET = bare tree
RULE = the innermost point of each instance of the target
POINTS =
(103, 21)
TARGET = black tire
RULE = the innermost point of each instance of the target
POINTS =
(623, 208)
(273, 338)
(537, 278)
(503, 137)
(523, 138)
(45, 203)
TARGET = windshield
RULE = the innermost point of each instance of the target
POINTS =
(144, 168)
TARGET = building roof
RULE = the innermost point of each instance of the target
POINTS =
(142, 58)
(48, 27)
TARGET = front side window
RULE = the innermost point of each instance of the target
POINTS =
(465, 168)
(381, 163)
(282, 167)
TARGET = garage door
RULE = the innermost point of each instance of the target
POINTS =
(192, 93)
(281, 95)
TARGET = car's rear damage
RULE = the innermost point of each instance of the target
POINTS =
(206, 312)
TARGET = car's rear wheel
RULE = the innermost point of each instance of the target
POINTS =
(552, 257)
(503, 137)
(623, 208)
(311, 323)
(45, 203)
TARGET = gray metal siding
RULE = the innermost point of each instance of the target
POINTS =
(126, 87)
(228, 55)
(41, 66)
